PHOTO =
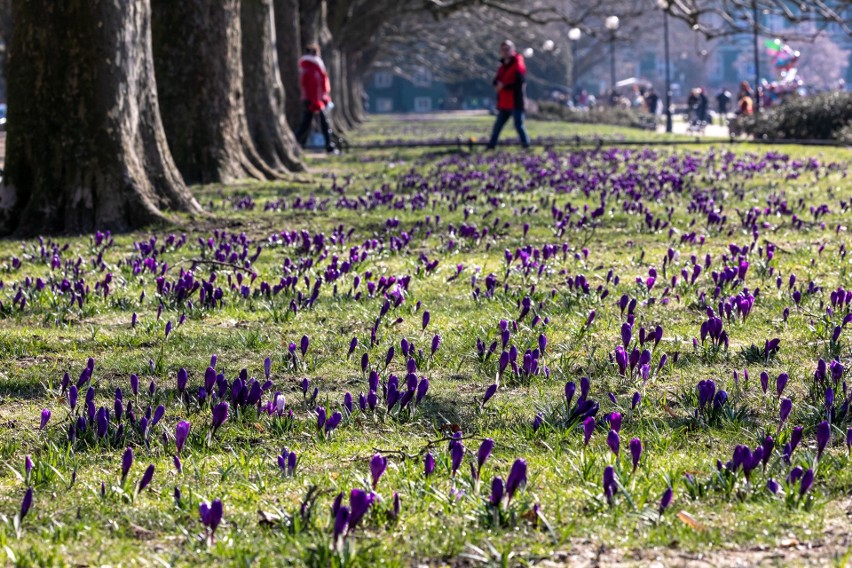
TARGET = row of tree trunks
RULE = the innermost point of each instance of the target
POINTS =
(308, 20)
(264, 91)
(85, 144)
(288, 47)
(197, 45)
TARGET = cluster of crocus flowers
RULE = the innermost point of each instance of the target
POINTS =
(713, 328)
(503, 493)
(347, 517)
(211, 516)
(287, 462)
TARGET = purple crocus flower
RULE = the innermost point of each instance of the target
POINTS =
(588, 429)
(182, 379)
(26, 504)
(538, 421)
(220, 414)
(768, 446)
(807, 481)
(784, 413)
(422, 389)
(436, 343)
(73, 393)
(570, 389)
(517, 477)
(773, 486)
(615, 421)
(181, 433)
(134, 384)
(359, 504)
(126, 463)
(635, 451)
(823, 436)
(498, 488)
(613, 441)
(303, 345)
(489, 392)
(637, 398)
(609, 485)
(159, 412)
(456, 455)
(485, 449)
(626, 334)
(428, 465)
(426, 318)
(849, 439)
(764, 381)
(146, 478)
(378, 465)
(666, 500)
(780, 383)
(332, 422)
(267, 367)
(45, 417)
(211, 516)
(341, 522)
(28, 467)
(321, 416)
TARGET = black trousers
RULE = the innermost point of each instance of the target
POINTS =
(305, 126)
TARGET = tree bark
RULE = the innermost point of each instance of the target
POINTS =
(197, 45)
(336, 72)
(356, 86)
(288, 47)
(5, 33)
(265, 96)
(86, 148)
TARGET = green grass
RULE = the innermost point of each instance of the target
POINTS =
(72, 524)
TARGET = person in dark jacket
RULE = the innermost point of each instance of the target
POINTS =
(723, 99)
(509, 83)
(703, 107)
(316, 89)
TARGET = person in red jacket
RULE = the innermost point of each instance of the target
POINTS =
(315, 87)
(509, 83)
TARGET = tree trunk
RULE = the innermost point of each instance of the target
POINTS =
(355, 73)
(265, 94)
(197, 45)
(86, 148)
(339, 90)
(312, 22)
(288, 48)
(5, 33)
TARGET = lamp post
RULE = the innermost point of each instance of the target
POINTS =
(664, 6)
(574, 34)
(611, 24)
(756, 57)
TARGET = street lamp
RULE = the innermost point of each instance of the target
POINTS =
(574, 34)
(755, 31)
(611, 24)
(664, 6)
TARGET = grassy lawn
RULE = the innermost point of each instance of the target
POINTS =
(430, 231)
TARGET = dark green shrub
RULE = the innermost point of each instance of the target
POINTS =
(603, 115)
(820, 117)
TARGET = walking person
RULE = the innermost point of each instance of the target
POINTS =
(723, 99)
(745, 102)
(652, 101)
(315, 87)
(509, 83)
(703, 107)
